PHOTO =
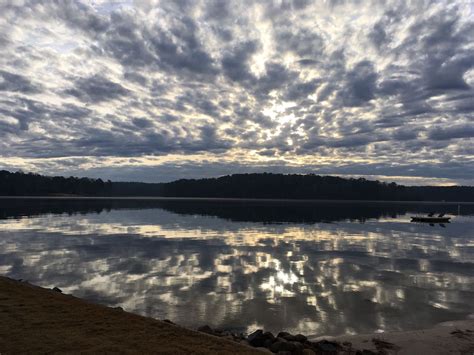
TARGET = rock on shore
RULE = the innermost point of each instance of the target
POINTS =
(285, 343)
(453, 337)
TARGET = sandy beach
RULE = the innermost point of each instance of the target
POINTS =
(446, 338)
(39, 320)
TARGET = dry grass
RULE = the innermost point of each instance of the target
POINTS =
(37, 320)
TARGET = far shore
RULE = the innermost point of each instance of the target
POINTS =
(233, 199)
(39, 320)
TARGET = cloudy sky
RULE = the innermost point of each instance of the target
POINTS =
(158, 90)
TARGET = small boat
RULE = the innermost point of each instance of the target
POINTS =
(431, 218)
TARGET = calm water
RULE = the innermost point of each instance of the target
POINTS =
(321, 268)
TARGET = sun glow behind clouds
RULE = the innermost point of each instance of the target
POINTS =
(373, 89)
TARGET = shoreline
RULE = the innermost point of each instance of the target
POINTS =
(38, 320)
(234, 199)
(452, 337)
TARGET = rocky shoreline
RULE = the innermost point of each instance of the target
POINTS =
(285, 343)
(455, 337)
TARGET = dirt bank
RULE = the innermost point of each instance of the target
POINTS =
(37, 320)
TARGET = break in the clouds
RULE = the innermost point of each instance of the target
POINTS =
(157, 90)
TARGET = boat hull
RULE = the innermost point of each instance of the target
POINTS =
(431, 219)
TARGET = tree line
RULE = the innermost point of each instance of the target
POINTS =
(30, 184)
(264, 185)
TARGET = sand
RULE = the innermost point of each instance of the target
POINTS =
(446, 338)
(38, 320)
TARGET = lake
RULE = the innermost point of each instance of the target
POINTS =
(304, 267)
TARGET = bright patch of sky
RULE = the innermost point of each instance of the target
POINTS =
(158, 90)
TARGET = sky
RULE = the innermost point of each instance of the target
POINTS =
(159, 90)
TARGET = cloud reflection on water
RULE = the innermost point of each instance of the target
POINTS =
(320, 278)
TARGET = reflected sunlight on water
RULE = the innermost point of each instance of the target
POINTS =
(229, 270)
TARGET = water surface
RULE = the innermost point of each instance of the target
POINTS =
(314, 268)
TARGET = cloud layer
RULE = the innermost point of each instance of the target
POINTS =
(362, 88)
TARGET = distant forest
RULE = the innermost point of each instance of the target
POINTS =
(271, 186)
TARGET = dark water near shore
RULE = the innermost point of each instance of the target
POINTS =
(314, 268)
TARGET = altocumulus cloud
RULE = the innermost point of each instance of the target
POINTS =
(156, 90)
